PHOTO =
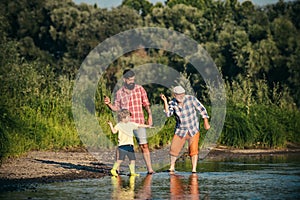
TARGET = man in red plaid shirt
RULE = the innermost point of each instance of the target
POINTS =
(134, 98)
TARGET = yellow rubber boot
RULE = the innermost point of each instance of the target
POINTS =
(132, 182)
(113, 171)
(132, 170)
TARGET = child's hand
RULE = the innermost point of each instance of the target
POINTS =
(109, 123)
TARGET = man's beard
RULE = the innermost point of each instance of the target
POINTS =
(129, 86)
(179, 100)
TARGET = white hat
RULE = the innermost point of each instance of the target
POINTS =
(178, 90)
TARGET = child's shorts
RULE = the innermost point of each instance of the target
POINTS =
(126, 150)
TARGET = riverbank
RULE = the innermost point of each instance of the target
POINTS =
(43, 167)
(221, 152)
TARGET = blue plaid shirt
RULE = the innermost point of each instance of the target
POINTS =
(186, 117)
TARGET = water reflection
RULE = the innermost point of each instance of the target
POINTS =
(194, 187)
(121, 189)
(124, 188)
(145, 191)
(179, 190)
(180, 186)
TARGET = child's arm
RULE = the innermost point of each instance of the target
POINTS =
(144, 126)
(113, 130)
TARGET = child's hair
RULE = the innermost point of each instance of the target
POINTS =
(122, 114)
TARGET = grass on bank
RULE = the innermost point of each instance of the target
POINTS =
(36, 114)
(265, 127)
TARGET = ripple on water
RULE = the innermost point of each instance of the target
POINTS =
(230, 179)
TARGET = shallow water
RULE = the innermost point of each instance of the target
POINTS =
(271, 177)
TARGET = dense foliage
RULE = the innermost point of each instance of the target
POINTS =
(43, 43)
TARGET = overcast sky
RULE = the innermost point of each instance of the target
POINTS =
(114, 3)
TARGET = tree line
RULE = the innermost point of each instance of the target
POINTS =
(43, 44)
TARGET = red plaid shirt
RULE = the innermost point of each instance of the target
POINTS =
(133, 100)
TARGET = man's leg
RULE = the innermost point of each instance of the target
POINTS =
(194, 163)
(194, 150)
(147, 158)
(176, 146)
(172, 163)
(141, 137)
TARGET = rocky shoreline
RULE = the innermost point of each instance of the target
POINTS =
(44, 167)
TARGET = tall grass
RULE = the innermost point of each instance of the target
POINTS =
(258, 117)
(35, 110)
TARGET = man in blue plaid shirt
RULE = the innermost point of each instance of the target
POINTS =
(184, 108)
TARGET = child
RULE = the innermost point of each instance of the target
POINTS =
(125, 140)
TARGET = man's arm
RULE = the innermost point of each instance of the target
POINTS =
(150, 121)
(109, 104)
(206, 124)
(146, 104)
(166, 105)
(203, 113)
(198, 105)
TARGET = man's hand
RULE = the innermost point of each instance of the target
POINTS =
(163, 97)
(206, 124)
(106, 100)
(150, 122)
(148, 109)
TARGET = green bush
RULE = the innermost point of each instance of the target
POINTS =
(270, 132)
(264, 127)
(238, 130)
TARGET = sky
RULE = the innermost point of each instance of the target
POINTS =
(115, 3)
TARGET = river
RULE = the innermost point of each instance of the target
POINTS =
(262, 177)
